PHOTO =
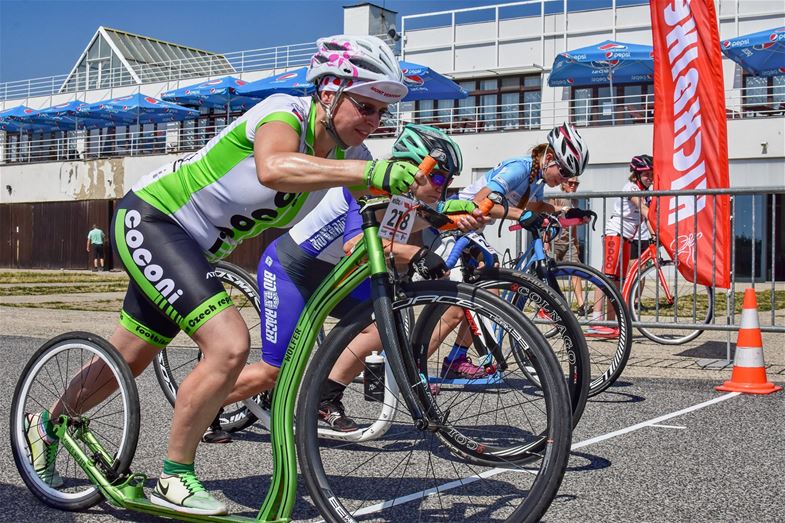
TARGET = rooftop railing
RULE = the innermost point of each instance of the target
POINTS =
(270, 58)
(175, 138)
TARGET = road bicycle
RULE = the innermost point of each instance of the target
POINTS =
(660, 298)
(541, 304)
(608, 353)
(440, 459)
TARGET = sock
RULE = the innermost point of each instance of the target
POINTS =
(331, 391)
(457, 352)
(172, 468)
(46, 429)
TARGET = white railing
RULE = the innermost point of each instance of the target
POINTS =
(191, 135)
(267, 59)
(271, 58)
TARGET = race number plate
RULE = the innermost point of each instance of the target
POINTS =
(398, 220)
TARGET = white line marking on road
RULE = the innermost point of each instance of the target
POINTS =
(668, 426)
(638, 426)
(585, 443)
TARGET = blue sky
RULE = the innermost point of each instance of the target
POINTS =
(45, 37)
(41, 38)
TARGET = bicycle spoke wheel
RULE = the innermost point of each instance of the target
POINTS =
(603, 316)
(666, 298)
(174, 364)
(498, 452)
(548, 312)
(77, 362)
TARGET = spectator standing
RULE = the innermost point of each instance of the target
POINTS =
(565, 246)
(95, 244)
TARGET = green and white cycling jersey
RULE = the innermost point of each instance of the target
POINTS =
(215, 195)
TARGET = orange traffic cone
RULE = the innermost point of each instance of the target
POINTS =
(749, 372)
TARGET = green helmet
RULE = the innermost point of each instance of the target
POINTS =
(418, 141)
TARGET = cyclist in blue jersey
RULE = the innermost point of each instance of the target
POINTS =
(294, 265)
(521, 180)
(266, 169)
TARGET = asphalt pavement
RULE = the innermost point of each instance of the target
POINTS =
(663, 449)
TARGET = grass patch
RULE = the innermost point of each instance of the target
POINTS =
(57, 277)
(91, 306)
(27, 290)
(764, 300)
(700, 301)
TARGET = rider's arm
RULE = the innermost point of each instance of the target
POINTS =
(498, 210)
(640, 203)
(280, 165)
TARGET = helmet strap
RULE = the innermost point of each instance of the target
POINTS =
(327, 121)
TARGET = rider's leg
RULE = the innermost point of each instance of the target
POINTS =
(95, 382)
(224, 343)
(254, 379)
(351, 361)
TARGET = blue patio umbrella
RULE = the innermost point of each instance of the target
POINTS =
(212, 93)
(65, 117)
(291, 82)
(606, 63)
(423, 82)
(762, 53)
(426, 84)
(137, 108)
(19, 119)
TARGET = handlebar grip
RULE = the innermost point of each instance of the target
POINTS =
(427, 164)
(455, 254)
(486, 206)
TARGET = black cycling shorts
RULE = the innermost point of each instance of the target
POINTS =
(172, 287)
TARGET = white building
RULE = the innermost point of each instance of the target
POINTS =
(501, 54)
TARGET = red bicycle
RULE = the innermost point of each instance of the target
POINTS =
(672, 309)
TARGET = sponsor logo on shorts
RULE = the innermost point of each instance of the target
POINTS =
(143, 259)
(209, 310)
(270, 289)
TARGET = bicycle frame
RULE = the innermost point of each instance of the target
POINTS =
(640, 263)
(278, 505)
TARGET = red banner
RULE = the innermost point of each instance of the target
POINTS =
(690, 139)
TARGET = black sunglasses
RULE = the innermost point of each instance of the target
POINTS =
(368, 109)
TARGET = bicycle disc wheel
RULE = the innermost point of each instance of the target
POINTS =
(549, 313)
(599, 304)
(82, 360)
(173, 365)
(690, 303)
(463, 469)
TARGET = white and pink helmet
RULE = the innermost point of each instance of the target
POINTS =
(364, 65)
(571, 151)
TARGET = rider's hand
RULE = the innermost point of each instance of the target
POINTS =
(530, 220)
(427, 264)
(470, 219)
(392, 177)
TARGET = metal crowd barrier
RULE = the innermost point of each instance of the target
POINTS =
(754, 226)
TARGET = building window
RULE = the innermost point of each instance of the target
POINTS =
(632, 103)
(494, 104)
(764, 96)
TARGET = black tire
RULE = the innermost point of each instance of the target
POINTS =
(389, 467)
(556, 321)
(172, 365)
(32, 395)
(608, 355)
(695, 304)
